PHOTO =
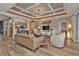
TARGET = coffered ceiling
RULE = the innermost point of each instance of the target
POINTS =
(34, 9)
(31, 9)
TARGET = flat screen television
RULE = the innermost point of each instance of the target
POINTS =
(46, 28)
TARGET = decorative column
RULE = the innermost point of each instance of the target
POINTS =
(28, 25)
(13, 25)
(4, 27)
(8, 27)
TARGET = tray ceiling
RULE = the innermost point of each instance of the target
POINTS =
(56, 5)
(24, 5)
(31, 9)
(42, 7)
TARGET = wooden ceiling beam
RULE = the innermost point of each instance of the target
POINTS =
(20, 14)
(49, 5)
(42, 17)
(53, 15)
(32, 6)
(23, 10)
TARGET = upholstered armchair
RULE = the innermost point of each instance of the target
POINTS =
(58, 40)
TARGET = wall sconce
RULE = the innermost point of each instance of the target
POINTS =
(39, 27)
(69, 31)
(69, 26)
(18, 25)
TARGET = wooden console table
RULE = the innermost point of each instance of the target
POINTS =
(47, 37)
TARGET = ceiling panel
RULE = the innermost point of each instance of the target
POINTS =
(47, 13)
(61, 10)
(42, 7)
(16, 9)
(56, 5)
(28, 13)
(24, 5)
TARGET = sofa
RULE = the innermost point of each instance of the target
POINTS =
(28, 41)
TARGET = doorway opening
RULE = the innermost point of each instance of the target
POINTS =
(1, 27)
(77, 28)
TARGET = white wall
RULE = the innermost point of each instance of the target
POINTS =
(75, 32)
(76, 28)
(56, 23)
